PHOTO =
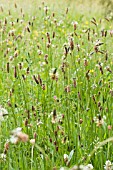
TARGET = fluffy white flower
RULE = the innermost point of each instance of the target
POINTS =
(32, 141)
(16, 131)
(108, 165)
(18, 135)
(14, 139)
(3, 112)
(88, 167)
(3, 156)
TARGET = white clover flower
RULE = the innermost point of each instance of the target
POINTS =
(42, 64)
(83, 167)
(66, 157)
(13, 139)
(46, 8)
(12, 31)
(39, 123)
(32, 141)
(88, 167)
(108, 165)
(59, 23)
(3, 112)
(75, 167)
(101, 121)
(74, 22)
(39, 52)
(62, 168)
(3, 156)
(94, 86)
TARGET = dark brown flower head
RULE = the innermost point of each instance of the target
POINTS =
(74, 82)
(71, 42)
(43, 87)
(85, 62)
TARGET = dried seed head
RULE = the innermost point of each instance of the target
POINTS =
(28, 70)
(96, 49)
(79, 95)
(106, 56)
(24, 77)
(16, 53)
(53, 34)
(53, 14)
(26, 122)
(87, 75)
(50, 140)
(43, 87)
(103, 33)
(15, 5)
(15, 72)
(67, 89)
(56, 148)
(78, 47)
(111, 92)
(101, 70)
(9, 103)
(9, 12)
(29, 22)
(8, 67)
(28, 113)
(36, 80)
(81, 121)
(75, 23)
(88, 36)
(35, 135)
(2, 9)
(46, 9)
(46, 58)
(33, 108)
(28, 29)
(74, 82)
(48, 45)
(108, 69)
(5, 21)
(85, 62)
(54, 113)
(6, 147)
(71, 42)
(106, 33)
(67, 11)
(20, 66)
(93, 97)
(39, 80)
(12, 24)
(99, 104)
(21, 10)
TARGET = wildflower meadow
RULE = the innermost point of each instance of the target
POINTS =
(56, 85)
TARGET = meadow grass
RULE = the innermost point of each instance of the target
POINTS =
(56, 86)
